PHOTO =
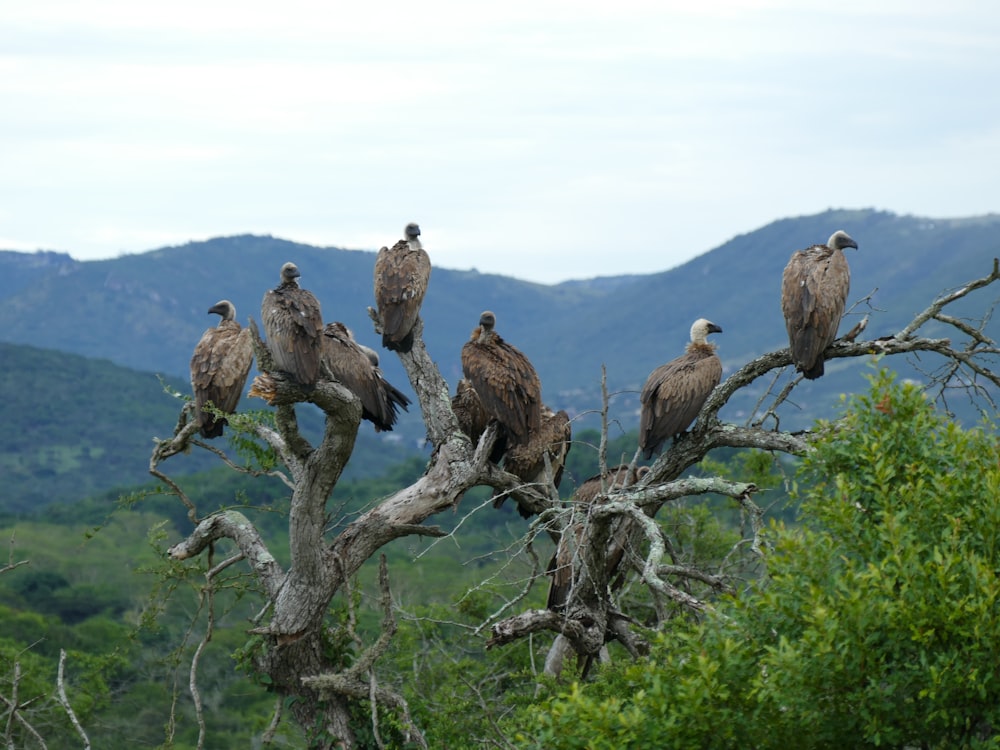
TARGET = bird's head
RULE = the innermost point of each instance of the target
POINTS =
(487, 320)
(701, 328)
(840, 240)
(289, 272)
(224, 309)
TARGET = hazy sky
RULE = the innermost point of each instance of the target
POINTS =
(544, 140)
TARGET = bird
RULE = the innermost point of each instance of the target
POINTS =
(348, 362)
(293, 324)
(527, 460)
(814, 289)
(675, 392)
(395, 394)
(401, 276)
(575, 535)
(219, 368)
(469, 411)
(504, 380)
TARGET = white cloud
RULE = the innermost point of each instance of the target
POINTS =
(546, 138)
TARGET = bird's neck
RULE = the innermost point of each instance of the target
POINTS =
(701, 346)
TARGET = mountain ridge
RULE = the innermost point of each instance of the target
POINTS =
(147, 310)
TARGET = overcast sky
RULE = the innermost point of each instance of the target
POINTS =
(543, 140)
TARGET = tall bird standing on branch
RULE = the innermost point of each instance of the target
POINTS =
(814, 291)
(401, 276)
(675, 392)
(504, 379)
(219, 368)
(293, 324)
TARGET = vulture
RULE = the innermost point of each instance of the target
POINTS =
(675, 392)
(293, 324)
(348, 362)
(504, 379)
(219, 368)
(527, 460)
(401, 276)
(469, 411)
(814, 291)
(561, 564)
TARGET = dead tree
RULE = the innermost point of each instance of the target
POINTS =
(292, 622)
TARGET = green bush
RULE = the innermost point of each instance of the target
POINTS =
(878, 624)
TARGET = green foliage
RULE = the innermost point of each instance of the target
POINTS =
(457, 691)
(53, 448)
(771, 472)
(877, 627)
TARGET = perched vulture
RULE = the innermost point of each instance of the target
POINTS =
(814, 291)
(395, 394)
(219, 368)
(527, 460)
(675, 392)
(401, 276)
(504, 379)
(352, 367)
(574, 536)
(293, 324)
(469, 411)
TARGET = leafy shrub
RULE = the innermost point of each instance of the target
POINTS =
(878, 625)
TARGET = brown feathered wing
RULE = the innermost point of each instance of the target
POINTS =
(293, 324)
(507, 384)
(219, 369)
(472, 417)
(814, 289)
(674, 394)
(401, 277)
(351, 366)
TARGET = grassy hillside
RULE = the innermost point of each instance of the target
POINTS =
(75, 426)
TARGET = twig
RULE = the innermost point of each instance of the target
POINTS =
(207, 596)
(946, 300)
(64, 701)
(14, 714)
(10, 558)
(272, 728)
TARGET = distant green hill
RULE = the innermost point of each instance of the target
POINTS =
(74, 427)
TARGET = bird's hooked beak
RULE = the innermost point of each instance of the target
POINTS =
(712, 328)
